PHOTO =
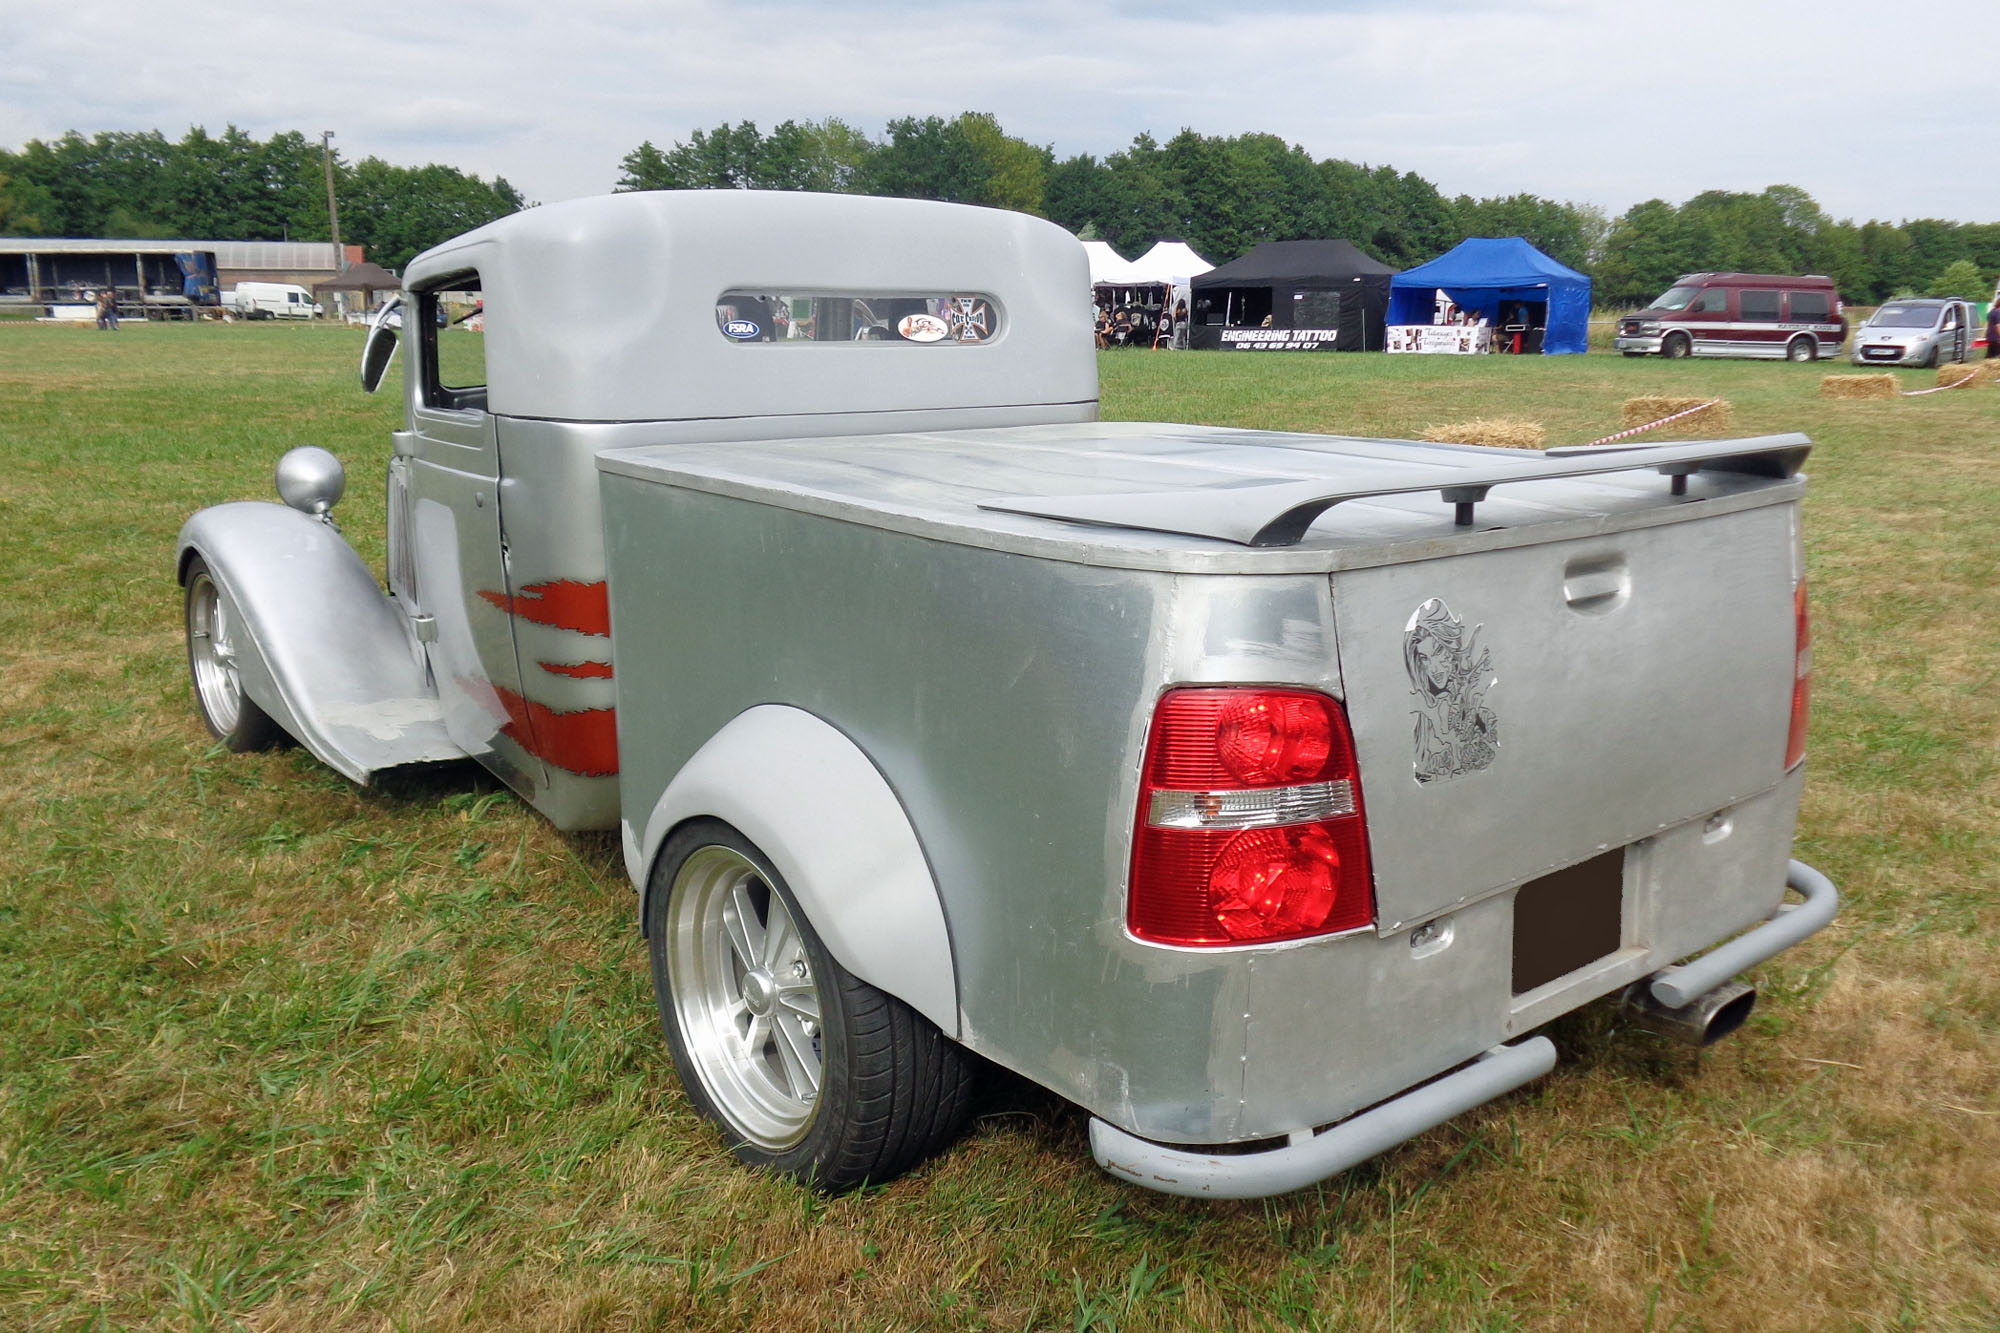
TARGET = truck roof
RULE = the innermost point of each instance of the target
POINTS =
(1215, 499)
(606, 309)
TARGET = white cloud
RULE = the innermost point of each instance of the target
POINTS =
(1585, 100)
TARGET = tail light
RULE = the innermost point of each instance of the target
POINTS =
(1795, 740)
(1250, 826)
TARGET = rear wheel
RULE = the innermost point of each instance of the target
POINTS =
(805, 1068)
(1676, 347)
(1802, 349)
(212, 642)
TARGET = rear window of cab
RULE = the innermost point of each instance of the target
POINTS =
(800, 318)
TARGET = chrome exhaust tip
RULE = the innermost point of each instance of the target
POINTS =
(1702, 1021)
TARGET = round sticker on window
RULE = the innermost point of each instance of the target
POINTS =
(742, 329)
(923, 328)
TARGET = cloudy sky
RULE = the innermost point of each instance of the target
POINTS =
(1874, 110)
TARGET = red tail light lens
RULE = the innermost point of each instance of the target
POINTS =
(1795, 740)
(1250, 827)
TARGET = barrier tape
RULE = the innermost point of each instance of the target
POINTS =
(1974, 378)
(1641, 430)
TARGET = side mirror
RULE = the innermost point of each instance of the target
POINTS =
(380, 349)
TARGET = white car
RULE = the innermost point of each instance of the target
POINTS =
(1915, 332)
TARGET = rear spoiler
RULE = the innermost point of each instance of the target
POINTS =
(1277, 512)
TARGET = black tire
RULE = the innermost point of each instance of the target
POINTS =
(891, 1089)
(1676, 347)
(230, 714)
(1802, 348)
(1931, 358)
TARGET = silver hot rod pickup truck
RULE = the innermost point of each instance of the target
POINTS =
(1261, 793)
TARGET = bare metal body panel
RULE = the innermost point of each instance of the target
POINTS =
(1001, 669)
(360, 701)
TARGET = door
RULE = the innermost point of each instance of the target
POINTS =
(1706, 320)
(1813, 311)
(457, 543)
(1759, 322)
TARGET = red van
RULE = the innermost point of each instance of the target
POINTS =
(1739, 314)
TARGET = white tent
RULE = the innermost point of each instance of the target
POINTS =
(1107, 267)
(1169, 263)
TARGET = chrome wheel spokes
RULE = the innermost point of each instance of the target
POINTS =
(212, 655)
(746, 997)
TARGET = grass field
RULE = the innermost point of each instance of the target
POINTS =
(280, 1053)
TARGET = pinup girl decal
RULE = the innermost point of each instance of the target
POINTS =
(1450, 673)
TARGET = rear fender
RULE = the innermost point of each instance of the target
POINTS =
(814, 804)
(329, 656)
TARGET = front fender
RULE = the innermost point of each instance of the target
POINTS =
(329, 656)
(830, 823)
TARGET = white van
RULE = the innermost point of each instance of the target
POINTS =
(274, 300)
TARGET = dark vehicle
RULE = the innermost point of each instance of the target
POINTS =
(1739, 314)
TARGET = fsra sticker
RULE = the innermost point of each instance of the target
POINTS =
(923, 328)
(741, 328)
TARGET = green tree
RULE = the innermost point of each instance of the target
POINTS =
(1073, 192)
(1139, 200)
(1647, 247)
(395, 212)
(824, 155)
(967, 160)
(1959, 278)
(24, 206)
(1557, 230)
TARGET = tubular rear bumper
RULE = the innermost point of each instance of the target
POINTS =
(1677, 986)
(1311, 1157)
(1314, 1157)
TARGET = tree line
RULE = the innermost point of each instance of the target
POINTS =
(235, 187)
(1221, 195)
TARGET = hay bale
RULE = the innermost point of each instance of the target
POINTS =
(1949, 374)
(1499, 432)
(1715, 419)
(1857, 386)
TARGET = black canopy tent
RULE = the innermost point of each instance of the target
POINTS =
(1328, 294)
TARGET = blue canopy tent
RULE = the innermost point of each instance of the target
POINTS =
(1496, 277)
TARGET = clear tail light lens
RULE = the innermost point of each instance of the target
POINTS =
(1250, 826)
(1795, 740)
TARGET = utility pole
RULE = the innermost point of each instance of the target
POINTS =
(332, 208)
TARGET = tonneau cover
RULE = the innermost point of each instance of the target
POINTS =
(1199, 498)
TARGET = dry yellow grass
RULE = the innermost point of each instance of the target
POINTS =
(1714, 419)
(1499, 432)
(1857, 386)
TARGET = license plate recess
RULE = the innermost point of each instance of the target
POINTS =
(1568, 919)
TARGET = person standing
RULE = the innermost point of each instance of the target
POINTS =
(1993, 331)
(107, 309)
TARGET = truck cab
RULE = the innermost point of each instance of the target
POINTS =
(941, 720)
